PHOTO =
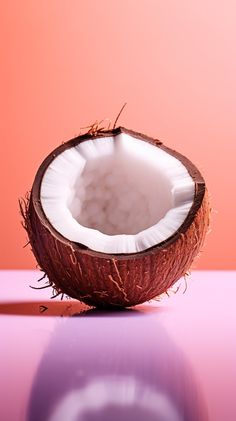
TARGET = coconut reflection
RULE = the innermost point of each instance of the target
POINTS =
(114, 366)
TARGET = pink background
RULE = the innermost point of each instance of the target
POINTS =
(66, 64)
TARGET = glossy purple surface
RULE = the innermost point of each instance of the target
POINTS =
(172, 360)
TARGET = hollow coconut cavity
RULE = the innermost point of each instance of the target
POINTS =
(116, 218)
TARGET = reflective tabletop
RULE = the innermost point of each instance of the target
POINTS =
(167, 360)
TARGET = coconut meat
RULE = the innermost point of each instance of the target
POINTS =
(116, 194)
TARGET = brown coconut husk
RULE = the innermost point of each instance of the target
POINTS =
(102, 279)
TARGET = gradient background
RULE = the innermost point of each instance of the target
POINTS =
(66, 64)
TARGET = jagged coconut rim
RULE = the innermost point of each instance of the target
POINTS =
(199, 189)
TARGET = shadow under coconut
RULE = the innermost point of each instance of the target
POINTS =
(118, 365)
(120, 312)
(67, 308)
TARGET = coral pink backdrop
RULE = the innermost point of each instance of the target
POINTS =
(65, 64)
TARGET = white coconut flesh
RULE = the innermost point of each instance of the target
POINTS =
(116, 194)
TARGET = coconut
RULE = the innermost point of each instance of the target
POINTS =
(115, 218)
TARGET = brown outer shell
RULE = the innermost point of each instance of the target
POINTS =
(102, 279)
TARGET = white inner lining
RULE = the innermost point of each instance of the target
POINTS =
(116, 194)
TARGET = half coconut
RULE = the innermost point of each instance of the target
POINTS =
(115, 218)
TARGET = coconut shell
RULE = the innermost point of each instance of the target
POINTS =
(101, 279)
